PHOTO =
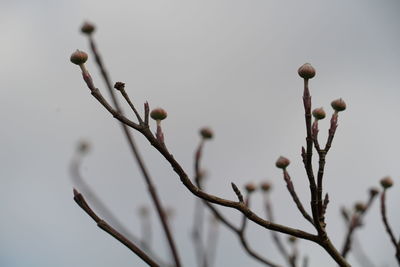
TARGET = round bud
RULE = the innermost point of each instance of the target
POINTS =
(79, 57)
(306, 71)
(373, 191)
(282, 162)
(386, 182)
(338, 105)
(206, 133)
(250, 188)
(292, 239)
(119, 86)
(266, 186)
(158, 114)
(319, 113)
(87, 28)
(360, 207)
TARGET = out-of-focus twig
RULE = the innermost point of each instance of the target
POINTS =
(79, 199)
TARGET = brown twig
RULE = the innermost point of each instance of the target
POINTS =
(387, 226)
(79, 199)
(150, 186)
(290, 187)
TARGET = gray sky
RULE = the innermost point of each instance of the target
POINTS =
(230, 65)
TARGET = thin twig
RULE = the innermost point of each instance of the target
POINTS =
(307, 160)
(79, 199)
(387, 226)
(290, 187)
(150, 186)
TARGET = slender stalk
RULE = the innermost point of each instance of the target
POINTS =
(387, 226)
(295, 198)
(307, 159)
(150, 186)
(79, 199)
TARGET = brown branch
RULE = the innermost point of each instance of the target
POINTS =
(150, 186)
(320, 239)
(79, 199)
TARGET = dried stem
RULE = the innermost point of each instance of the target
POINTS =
(79, 199)
(150, 186)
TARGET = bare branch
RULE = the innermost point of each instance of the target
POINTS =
(79, 199)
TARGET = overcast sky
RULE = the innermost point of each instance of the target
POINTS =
(228, 64)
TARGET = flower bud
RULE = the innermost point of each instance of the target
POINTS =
(119, 86)
(373, 191)
(386, 182)
(206, 133)
(282, 162)
(360, 207)
(87, 28)
(319, 113)
(338, 105)
(250, 187)
(158, 114)
(306, 71)
(292, 239)
(266, 186)
(79, 57)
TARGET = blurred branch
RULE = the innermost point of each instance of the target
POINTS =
(79, 199)
(80, 183)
